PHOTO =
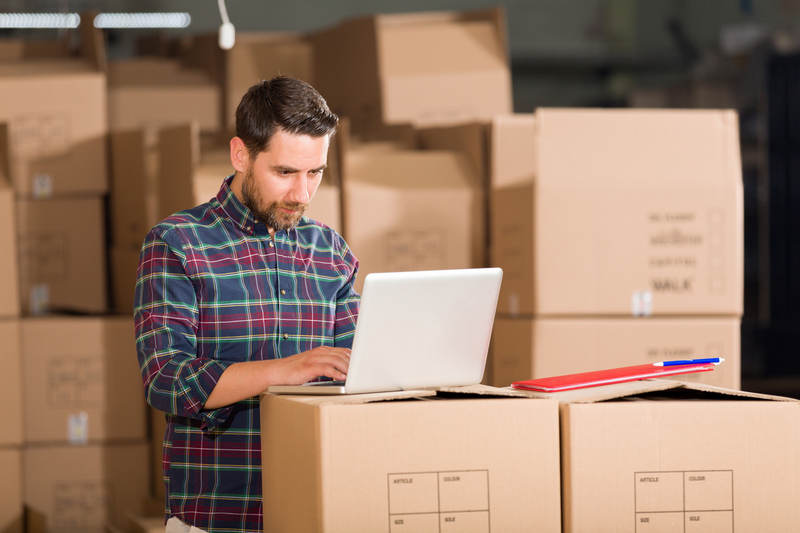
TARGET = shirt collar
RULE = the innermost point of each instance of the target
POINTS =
(234, 208)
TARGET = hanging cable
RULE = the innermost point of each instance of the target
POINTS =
(227, 33)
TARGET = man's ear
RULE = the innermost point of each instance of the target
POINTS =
(239, 155)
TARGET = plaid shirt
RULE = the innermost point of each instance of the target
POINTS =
(215, 289)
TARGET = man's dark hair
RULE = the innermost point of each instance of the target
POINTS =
(284, 103)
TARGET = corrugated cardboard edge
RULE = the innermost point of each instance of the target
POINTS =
(632, 388)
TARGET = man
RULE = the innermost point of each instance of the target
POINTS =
(238, 294)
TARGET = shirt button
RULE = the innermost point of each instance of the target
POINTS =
(285, 336)
(271, 245)
(248, 228)
(283, 291)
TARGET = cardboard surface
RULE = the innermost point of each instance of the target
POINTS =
(158, 93)
(512, 149)
(81, 380)
(425, 69)
(459, 461)
(686, 458)
(410, 210)
(9, 269)
(632, 212)
(134, 163)
(11, 383)
(11, 509)
(528, 348)
(56, 113)
(62, 265)
(82, 488)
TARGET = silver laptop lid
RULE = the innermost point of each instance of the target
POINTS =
(423, 329)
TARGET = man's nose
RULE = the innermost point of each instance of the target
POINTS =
(299, 191)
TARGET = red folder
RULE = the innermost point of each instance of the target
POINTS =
(607, 377)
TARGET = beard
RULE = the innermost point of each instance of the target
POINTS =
(271, 213)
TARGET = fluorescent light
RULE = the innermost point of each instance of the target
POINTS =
(39, 20)
(142, 20)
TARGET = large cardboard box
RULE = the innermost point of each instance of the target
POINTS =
(82, 488)
(632, 212)
(62, 255)
(11, 509)
(157, 93)
(158, 428)
(81, 380)
(663, 456)
(56, 116)
(528, 348)
(425, 69)
(468, 459)
(9, 267)
(11, 383)
(411, 210)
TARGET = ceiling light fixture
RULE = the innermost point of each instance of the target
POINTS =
(39, 20)
(142, 20)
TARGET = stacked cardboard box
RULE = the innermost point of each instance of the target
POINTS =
(11, 506)
(622, 244)
(52, 142)
(424, 69)
(661, 455)
(85, 454)
(467, 459)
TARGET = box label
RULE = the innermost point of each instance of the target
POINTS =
(684, 501)
(439, 501)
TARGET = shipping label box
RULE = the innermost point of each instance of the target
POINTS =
(81, 380)
(11, 509)
(411, 210)
(56, 115)
(62, 255)
(11, 383)
(663, 456)
(528, 348)
(471, 459)
(9, 268)
(425, 69)
(83, 488)
(157, 93)
(631, 212)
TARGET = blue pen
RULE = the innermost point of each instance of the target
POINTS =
(710, 360)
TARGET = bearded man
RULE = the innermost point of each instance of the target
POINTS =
(237, 294)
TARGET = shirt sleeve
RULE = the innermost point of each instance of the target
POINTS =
(176, 380)
(347, 300)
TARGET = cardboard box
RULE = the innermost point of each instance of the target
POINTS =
(410, 210)
(81, 380)
(11, 510)
(464, 460)
(528, 348)
(660, 455)
(512, 154)
(123, 263)
(158, 93)
(132, 198)
(261, 56)
(425, 69)
(632, 212)
(9, 269)
(11, 383)
(470, 140)
(56, 116)
(62, 255)
(81, 488)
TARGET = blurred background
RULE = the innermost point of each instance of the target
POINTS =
(115, 114)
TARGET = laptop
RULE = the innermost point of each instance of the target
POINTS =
(417, 330)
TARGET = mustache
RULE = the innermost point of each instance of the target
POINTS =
(292, 206)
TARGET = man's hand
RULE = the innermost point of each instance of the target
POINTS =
(322, 361)
(245, 380)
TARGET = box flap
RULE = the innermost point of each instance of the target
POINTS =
(486, 390)
(355, 398)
